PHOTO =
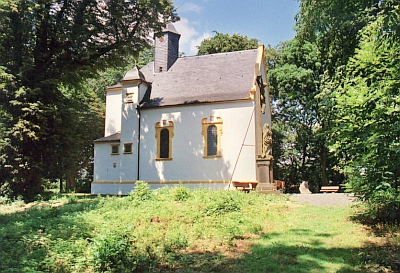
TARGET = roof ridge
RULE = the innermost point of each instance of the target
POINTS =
(219, 53)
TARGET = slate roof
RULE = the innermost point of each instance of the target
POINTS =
(206, 78)
(115, 86)
(133, 74)
(170, 28)
(111, 138)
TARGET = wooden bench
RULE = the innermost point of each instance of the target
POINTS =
(280, 185)
(244, 186)
(326, 189)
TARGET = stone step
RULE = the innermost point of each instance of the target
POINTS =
(266, 187)
(276, 192)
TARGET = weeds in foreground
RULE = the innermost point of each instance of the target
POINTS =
(182, 230)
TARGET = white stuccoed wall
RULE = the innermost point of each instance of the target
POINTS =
(113, 112)
(130, 132)
(104, 169)
(107, 178)
(188, 163)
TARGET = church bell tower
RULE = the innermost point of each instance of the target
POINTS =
(166, 50)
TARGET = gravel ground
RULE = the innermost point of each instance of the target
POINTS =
(324, 199)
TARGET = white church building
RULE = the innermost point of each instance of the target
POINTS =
(196, 121)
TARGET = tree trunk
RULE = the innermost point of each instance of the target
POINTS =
(61, 185)
(324, 155)
(71, 183)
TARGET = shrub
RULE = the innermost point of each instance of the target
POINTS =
(141, 192)
(72, 199)
(175, 241)
(114, 253)
(4, 200)
(181, 193)
(223, 203)
(383, 205)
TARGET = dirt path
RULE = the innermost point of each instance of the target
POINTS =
(324, 199)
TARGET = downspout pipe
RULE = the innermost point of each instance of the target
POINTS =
(138, 145)
(145, 98)
(138, 130)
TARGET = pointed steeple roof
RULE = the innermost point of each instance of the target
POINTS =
(133, 74)
(170, 28)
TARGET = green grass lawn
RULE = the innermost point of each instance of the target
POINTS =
(182, 230)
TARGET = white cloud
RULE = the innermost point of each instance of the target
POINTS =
(190, 7)
(197, 41)
(190, 37)
(187, 31)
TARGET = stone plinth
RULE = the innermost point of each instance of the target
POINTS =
(265, 175)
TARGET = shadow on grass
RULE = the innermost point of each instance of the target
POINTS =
(26, 241)
(311, 257)
(26, 236)
(269, 255)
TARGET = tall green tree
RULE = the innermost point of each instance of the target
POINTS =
(47, 44)
(226, 43)
(333, 25)
(112, 75)
(327, 37)
(352, 94)
(366, 131)
(295, 81)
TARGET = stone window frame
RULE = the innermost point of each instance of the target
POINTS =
(159, 126)
(206, 123)
(128, 144)
(130, 95)
(113, 146)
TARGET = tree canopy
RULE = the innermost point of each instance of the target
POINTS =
(336, 91)
(295, 81)
(47, 50)
(366, 127)
(226, 43)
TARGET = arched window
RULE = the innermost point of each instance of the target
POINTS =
(164, 143)
(212, 140)
(212, 131)
(164, 134)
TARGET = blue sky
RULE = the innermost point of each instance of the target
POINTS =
(269, 21)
